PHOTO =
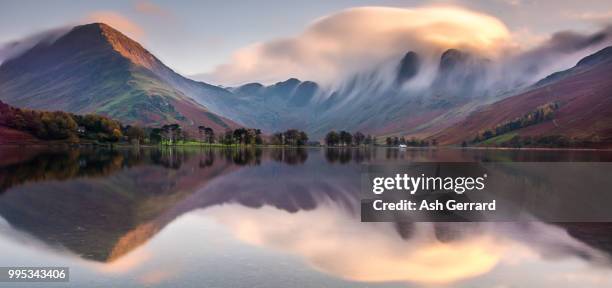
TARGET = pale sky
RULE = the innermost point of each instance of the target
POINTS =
(195, 37)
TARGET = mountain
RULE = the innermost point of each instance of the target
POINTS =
(580, 94)
(408, 67)
(96, 69)
(403, 105)
(366, 101)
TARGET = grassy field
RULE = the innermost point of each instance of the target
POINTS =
(499, 139)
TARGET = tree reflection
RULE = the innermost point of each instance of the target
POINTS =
(65, 164)
(291, 156)
(348, 155)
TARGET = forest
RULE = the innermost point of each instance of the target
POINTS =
(59, 125)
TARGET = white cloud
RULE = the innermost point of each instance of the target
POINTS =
(358, 38)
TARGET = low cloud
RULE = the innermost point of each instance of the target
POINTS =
(16, 48)
(147, 7)
(352, 40)
(561, 51)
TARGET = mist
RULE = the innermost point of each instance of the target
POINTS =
(16, 48)
(339, 45)
(357, 51)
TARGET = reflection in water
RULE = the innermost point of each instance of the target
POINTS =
(106, 206)
(334, 243)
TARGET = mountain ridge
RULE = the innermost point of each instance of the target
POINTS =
(96, 69)
(581, 92)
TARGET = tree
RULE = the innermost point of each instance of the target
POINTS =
(171, 133)
(332, 138)
(302, 138)
(346, 139)
(156, 135)
(201, 133)
(58, 125)
(240, 136)
(359, 138)
(134, 133)
(209, 134)
(116, 135)
(258, 139)
(228, 137)
(291, 137)
(396, 141)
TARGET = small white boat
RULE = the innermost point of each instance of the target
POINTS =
(403, 146)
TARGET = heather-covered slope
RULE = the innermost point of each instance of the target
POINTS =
(96, 69)
(583, 95)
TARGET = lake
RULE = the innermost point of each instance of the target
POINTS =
(270, 217)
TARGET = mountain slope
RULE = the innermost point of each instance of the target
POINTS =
(96, 69)
(583, 94)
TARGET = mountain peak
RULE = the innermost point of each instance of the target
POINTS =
(94, 26)
(96, 69)
(129, 48)
(451, 58)
(96, 33)
(249, 88)
(408, 67)
(291, 82)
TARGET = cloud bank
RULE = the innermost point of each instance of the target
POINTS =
(351, 40)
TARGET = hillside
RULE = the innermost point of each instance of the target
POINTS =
(451, 98)
(96, 69)
(582, 93)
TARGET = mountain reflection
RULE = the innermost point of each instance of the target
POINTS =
(103, 204)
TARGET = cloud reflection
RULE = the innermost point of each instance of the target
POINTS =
(337, 244)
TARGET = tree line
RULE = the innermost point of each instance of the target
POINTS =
(74, 128)
(344, 138)
(412, 142)
(540, 114)
(59, 125)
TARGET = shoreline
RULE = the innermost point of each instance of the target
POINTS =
(122, 145)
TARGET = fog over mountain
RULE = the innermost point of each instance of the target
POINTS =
(16, 48)
(417, 73)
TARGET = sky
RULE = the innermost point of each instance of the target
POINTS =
(204, 37)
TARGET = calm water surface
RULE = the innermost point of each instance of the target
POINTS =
(268, 218)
